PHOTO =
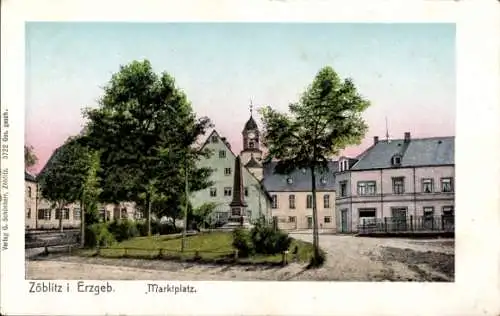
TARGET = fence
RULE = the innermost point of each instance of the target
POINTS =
(444, 223)
(46, 239)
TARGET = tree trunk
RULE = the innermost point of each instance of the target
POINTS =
(60, 217)
(316, 257)
(148, 219)
(82, 224)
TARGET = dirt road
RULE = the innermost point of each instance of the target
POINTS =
(348, 259)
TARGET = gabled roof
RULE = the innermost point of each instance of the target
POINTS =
(29, 177)
(415, 152)
(298, 180)
(228, 148)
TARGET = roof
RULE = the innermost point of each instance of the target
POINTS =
(29, 177)
(298, 180)
(252, 163)
(250, 124)
(414, 153)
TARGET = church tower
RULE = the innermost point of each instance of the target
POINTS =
(251, 140)
(251, 155)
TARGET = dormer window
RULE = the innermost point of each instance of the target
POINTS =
(343, 165)
(289, 180)
(396, 160)
(215, 139)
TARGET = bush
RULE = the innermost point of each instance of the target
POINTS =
(123, 229)
(98, 235)
(242, 242)
(142, 228)
(269, 240)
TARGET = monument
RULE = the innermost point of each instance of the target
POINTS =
(237, 214)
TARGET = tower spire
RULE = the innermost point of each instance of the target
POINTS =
(251, 107)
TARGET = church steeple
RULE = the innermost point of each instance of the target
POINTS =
(251, 138)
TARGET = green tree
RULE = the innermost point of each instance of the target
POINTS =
(326, 119)
(63, 176)
(30, 159)
(144, 129)
(90, 189)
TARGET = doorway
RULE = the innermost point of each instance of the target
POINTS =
(309, 222)
(399, 218)
(343, 221)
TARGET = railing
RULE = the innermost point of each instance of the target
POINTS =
(444, 223)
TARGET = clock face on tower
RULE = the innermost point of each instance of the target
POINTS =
(251, 135)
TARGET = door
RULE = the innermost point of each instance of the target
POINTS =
(399, 219)
(309, 222)
(343, 221)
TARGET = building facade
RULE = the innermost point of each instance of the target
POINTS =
(30, 200)
(292, 198)
(402, 178)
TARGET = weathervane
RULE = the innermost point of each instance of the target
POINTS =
(251, 107)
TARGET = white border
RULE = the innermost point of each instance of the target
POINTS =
(476, 290)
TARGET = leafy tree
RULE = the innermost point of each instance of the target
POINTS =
(90, 190)
(144, 130)
(30, 159)
(326, 119)
(62, 177)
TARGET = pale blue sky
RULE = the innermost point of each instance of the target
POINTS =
(406, 70)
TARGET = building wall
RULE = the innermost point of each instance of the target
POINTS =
(283, 212)
(30, 204)
(256, 198)
(50, 221)
(385, 200)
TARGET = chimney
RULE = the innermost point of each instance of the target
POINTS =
(407, 137)
(375, 140)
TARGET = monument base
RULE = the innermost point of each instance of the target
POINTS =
(238, 222)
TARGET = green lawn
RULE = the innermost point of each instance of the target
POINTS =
(215, 246)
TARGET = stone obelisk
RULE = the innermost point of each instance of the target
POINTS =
(237, 215)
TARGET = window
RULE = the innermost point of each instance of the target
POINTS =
(29, 191)
(291, 201)
(367, 187)
(227, 191)
(44, 214)
(428, 220)
(222, 154)
(323, 181)
(213, 192)
(448, 210)
(28, 213)
(309, 201)
(326, 201)
(123, 213)
(76, 213)
(428, 211)
(327, 219)
(446, 185)
(246, 191)
(343, 188)
(427, 185)
(65, 213)
(398, 185)
(289, 180)
(227, 171)
(215, 139)
(274, 198)
(138, 215)
(367, 216)
(292, 219)
(251, 144)
(396, 160)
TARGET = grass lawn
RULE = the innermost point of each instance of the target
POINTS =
(210, 247)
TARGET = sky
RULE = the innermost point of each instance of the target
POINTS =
(407, 71)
